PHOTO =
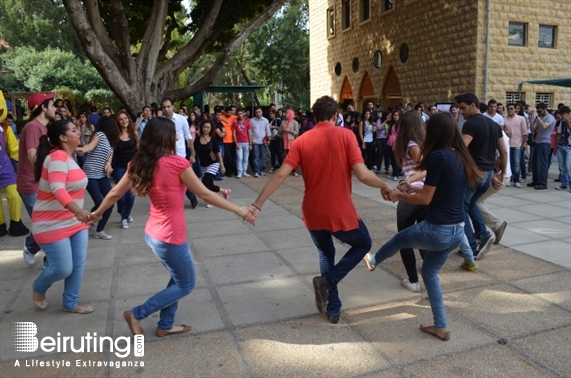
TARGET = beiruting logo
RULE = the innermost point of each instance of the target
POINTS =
(25, 340)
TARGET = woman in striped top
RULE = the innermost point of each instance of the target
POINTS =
(97, 168)
(58, 219)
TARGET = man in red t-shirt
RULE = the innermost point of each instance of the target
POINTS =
(43, 111)
(328, 155)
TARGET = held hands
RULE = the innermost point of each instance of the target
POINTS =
(385, 193)
(79, 151)
(497, 182)
(245, 213)
(254, 213)
(394, 195)
(86, 217)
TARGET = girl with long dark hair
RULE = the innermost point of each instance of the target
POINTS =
(157, 172)
(381, 141)
(210, 158)
(449, 171)
(86, 131)
(392, 133)
(366, 130)
(97, 168)
(58, 218)
(125, 148)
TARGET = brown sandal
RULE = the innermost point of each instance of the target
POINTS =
(81, 309)
(444, 336)
(226, 193)
(370, 266)
(162, 333)
(128, 315)
(39, 304)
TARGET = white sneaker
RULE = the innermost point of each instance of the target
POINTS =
(395, 178)
(28, 257)
(238, 175)
(208, 206)
(102, 235)
(124, 224)
(262, 174)
(414, 287)
(517, 185)
(246, 175)
(296, 174)
(130, 219)
(256, 175)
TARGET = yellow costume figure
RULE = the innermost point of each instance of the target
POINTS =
(9, 149)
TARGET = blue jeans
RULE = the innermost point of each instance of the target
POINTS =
(218, 175)
(259, 157)
(125, 204)
(523, 168)
(540, 163)
(438, 241)
(515, 164)
(178, 261)
(473, 213)
(564, 160)
(360, 242)
(65, 261)
(242, 154)
(29, 200)
(98, 189)
(465, 249)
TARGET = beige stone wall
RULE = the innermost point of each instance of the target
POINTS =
(510, 65)
(447, 49)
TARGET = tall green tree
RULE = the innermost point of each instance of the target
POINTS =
(129, 42)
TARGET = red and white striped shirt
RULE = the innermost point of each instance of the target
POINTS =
(62, 182)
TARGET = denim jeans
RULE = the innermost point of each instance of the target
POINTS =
(259, 157)
(473, 194)
(125, 204)
(438, 241)
(242, 154)
(178, 261)
(65, 261)
(360, 242)
(98, 189)
(515, 164)
(540, 163)
(523, 168)
(564, 161)
(29, 200)
(219, 173)
(407, 215)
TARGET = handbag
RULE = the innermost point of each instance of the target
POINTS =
(212, 154)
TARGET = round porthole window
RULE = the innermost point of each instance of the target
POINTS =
(404, 53)
(338, 69)
(356, 65)
(377, 59)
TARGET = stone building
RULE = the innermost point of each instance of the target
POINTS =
(401, 51)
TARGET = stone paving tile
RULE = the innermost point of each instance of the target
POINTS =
(556, 251)
(227, 245)
(219, 228)
(103, 258)
(514, 215)
(554, 288)
(135, 254)
(505, 311)
(547, 227)
(515, 236)
(12, 265)
(205, 355)
(551, 348)
(277, 222)
(307, 348)
(393, 329)
(241, 268)
(545, 210)
(507, 264)
(495, 361)
(268, 300)
(290, 238)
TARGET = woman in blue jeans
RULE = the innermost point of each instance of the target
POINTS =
(164, 177)
(125, 148)
(449, 170)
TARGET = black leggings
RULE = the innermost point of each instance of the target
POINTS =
(407, 215)
(208, 181)
(370, 154)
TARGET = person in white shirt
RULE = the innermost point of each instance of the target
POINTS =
(261, 135)
(492, 113)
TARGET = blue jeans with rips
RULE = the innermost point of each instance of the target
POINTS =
(438, 241)
(29, 200)
(65, 261)
(473, 213)
(178, 261)
(360, 242)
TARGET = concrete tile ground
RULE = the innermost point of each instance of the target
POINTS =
(253, 312)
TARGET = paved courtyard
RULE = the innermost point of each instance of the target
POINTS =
(253, 312)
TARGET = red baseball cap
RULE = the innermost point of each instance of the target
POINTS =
(37, 99)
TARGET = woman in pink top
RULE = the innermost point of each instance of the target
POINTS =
(58, 218)
(163, 176)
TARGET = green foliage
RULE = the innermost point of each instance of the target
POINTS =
(51, 68)
(38, 24)
(9, 83)
(278, 53)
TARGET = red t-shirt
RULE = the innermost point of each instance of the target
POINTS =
(242, 128)
(326, 155)
(29, 138)
(166, 221)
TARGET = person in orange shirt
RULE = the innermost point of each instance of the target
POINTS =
(227, 120)
(328, 155)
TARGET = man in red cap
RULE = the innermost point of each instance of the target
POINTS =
(43, 111)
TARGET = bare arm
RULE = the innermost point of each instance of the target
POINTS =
(424, 197)
(503, 158)
(32, 152)
(91, 146)
(361, 133)
(467, 139)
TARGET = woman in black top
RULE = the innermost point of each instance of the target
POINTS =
(125, 149)
(209, 157)
(449, 170)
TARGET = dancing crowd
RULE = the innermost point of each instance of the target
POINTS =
(451, 162)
